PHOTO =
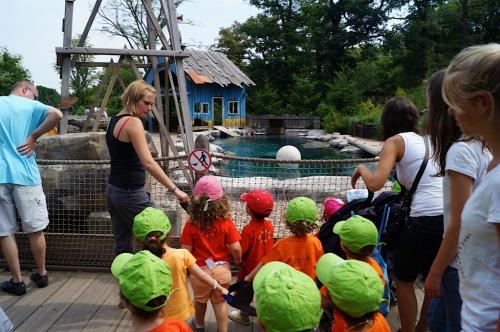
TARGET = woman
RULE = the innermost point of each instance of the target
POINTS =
(462, 161)
(130, 157)
(471, 87)
(420, 239)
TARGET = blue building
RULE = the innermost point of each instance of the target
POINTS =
(215, 88)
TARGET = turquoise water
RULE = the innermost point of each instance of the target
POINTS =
(264, 146)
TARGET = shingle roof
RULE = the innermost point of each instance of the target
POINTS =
(214, 67)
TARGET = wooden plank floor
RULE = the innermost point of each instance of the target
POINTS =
(86, 301)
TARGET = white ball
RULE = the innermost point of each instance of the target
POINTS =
(288, 152)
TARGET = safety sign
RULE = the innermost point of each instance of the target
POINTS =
(199, 160)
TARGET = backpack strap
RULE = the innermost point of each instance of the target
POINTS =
(414, 185)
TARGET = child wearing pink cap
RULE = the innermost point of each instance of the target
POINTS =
(256, 238)
(331, 205)
(212, 238)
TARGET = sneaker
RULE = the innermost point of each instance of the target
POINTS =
(194, 325)
(16, 288)
(238, 317)
(40, 281)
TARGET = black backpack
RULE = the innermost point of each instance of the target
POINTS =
(369, 208)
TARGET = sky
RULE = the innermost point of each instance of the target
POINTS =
(32, 29)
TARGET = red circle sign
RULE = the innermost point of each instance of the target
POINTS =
(199, 160)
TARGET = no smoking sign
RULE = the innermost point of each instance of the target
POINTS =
(199, 160)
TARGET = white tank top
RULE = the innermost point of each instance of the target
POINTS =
(428, 198)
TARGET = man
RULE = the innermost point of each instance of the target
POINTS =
(22, 121)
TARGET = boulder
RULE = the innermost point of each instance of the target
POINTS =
(76, 146)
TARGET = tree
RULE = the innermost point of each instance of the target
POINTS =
(48, 96)
(128, 19)
(11, 71)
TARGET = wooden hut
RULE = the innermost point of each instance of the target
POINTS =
(215, 88)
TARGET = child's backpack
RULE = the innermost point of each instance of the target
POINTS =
(369, 208)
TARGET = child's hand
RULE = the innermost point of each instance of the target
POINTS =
(222, 290)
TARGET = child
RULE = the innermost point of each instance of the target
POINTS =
(145, 286)
(286, 299)
(211, 236)
(358, 238)
(256, 238)
(300, 250)
(355, 290)
(151, 227)
(331, 205)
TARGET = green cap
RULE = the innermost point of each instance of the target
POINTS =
(356, 232)
(286, 299)
(151, 220)
(354, 286)
(142, 277)
(301, 209)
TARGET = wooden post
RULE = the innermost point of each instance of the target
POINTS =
(66, 64)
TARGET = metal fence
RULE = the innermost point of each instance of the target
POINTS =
(79, 233)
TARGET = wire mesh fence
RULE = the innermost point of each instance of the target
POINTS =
(80, 235)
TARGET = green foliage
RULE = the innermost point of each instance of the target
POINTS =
(11, 71)
(265, 100)
(48, 96)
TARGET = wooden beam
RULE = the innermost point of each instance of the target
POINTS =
(66, 65)
(85, 33)
(106, 64)
(156, 25)
(119, 51)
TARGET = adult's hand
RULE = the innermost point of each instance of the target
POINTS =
(27, 147)
(355, 176)
(181, 196)
(432, 285)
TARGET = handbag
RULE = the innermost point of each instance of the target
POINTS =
(390, 237)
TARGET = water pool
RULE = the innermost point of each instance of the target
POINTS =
(264, 146)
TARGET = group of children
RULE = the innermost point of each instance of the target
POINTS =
(286, 276)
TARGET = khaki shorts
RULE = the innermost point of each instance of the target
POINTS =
(30, 204)
(203, 292)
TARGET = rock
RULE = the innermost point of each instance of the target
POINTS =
(215, 133)
(350, 148)
(76, 146)
(325, 138)
(73, 129)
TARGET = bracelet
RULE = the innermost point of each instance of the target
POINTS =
(215, 284)
(173, 190)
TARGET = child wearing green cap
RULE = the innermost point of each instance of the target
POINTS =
(358, 238)
(301, 250)
(151, 228)
(286, 300)
(145, 286)
(356, 292)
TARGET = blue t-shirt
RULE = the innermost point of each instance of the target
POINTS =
(19, 117)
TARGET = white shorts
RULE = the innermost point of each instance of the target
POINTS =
(31, 206)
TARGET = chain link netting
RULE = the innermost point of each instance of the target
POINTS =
(80, 234)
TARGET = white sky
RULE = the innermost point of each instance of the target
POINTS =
(32, 29)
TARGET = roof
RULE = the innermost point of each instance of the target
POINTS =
(214, 67)
(209, 67)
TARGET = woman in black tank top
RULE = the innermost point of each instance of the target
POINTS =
(130, 158)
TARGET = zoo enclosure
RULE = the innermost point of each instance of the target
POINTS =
(80, 235)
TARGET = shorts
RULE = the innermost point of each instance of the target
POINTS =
(418, 246)
(30, 204)
(203, 292)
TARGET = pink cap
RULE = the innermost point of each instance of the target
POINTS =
(210, 186)
(332, 205)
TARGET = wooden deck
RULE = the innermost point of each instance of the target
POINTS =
(87, 301)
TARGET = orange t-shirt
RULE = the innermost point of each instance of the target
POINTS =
(373, 263)
(256, 242)
(379, 323)
(211, 242)
(300, 252)
(180, 305)
(172, 325)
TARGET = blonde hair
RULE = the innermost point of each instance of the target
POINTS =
(475, 69)
(134, 92)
